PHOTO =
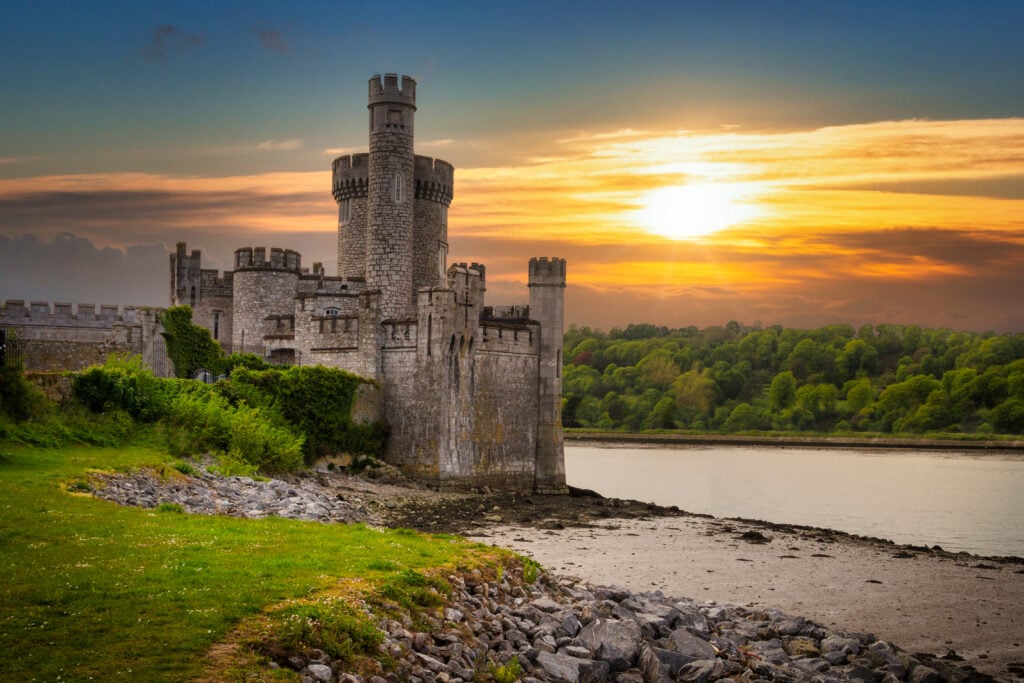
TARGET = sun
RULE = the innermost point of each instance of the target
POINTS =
(695, 210)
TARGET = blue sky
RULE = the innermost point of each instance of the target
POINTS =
(189, 90)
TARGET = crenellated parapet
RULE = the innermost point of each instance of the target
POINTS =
(545, 271)
(435, 180)
(255, 258)
(350, 176)
(515, 312)
(498, 336)
(62, 314)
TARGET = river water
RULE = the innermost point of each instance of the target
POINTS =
(961, 501)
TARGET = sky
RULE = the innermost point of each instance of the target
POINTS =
(795, 163)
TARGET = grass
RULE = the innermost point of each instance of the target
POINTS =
(92, 590)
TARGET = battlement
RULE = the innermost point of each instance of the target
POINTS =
(255, 258)
(16, 312)
(516, 312)
(434, 180)
(388, 91)
(509, 337)
(350, 176)
(547, 272)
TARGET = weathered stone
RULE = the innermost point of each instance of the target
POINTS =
(559, 667)
(320, 672)
(614, 641)
(685, 643)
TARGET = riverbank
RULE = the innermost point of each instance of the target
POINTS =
(941, 604)
(924, 600)
(580, 438)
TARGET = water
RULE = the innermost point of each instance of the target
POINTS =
(961, 501)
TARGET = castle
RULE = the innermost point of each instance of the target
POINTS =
(471, 393)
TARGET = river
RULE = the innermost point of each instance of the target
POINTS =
(960, 501)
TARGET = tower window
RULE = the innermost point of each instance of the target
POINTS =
(398, 188)
(192, 298)
(344, 211)
(216, 324)
(332, 311)
(395, 117)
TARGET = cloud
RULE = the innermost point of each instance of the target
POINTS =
(271, 39)
(167, 40)
(280, 145)
(72, 268)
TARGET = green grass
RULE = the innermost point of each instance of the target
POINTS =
(92, 590)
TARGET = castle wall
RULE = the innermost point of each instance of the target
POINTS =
(350, 187)
(264, 288)
(67, 337)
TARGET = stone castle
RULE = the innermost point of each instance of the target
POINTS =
(471, 393)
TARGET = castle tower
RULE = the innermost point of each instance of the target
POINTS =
(390, 194)
(547, 305)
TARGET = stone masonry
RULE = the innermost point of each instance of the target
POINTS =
(472, 394)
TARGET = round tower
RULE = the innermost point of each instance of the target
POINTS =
(390, 195)
(547, 306)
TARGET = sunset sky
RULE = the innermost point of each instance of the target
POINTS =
(801, 163)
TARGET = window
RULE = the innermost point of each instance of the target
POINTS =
(332, 311)
(344, 211)
(216, 324)
(192, 298)
(398, 188)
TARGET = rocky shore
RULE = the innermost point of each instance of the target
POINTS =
(558, 626)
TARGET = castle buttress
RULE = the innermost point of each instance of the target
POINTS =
(471, 393)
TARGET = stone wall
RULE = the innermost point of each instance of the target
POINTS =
(67, 337)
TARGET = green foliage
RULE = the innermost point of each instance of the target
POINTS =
(122, 383)
(170, 507)
(318, 401)
(246, 439)
(884, 378)
(332, 626)
(414, 590)
(190, 346)
(19, 400)
(509, 672)
(530, 569)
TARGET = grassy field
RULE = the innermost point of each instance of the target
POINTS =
(95, 591)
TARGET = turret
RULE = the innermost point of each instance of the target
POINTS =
(390, 213)
(547, 305)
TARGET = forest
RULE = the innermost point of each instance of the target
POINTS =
(883, 379)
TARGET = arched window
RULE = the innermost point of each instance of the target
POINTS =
(332, 311)
(398, 188)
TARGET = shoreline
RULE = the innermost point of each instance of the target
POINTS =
(924, 601)
(895, 443)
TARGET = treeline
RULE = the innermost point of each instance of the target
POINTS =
(882, 379)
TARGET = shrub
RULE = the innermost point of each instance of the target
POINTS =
(19, 400)
(318, 401)
(123, 383)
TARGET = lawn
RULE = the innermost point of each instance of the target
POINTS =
(92, 590)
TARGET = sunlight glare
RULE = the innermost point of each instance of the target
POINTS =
(695, 210)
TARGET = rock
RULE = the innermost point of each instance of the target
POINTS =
(559, 667)
(685, 643)
(614, 641)
(319, 672)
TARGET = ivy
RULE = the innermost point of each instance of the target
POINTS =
(189, 346)
(318, 401)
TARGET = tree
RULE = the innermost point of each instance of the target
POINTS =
(782, 393)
